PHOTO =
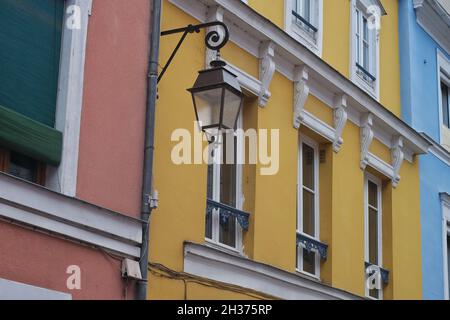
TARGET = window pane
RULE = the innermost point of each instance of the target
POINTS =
(308, 213)
(227, 228)
(228, 171)
(309, 262)
(373, 236)
(208, 226)
(209, 183)
(227, 232)
(366, 56)
(373, 194)
(308, 166)
(365, 30)
(23, 167)
(445, 105)
(358, 49)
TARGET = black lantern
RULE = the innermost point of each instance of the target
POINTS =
(218, 99)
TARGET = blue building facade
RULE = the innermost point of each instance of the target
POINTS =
(425, 73)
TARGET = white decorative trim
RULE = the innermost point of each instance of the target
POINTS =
(266, 71)
(437, 150)
(443, 74)
(248, 29)
(318, 126)
(11, 290)
(366, 135)
(301, 93)
(363, 6)
(379, 165)
(32, 205)
(246, 81)
(340, 119)
(397, 156)
(435, 20)
(70, 99)
(207, 262)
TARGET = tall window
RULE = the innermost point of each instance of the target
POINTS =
(308, 206)
(445, 91)
(224, 186)
(373, 235)
(304, 22)
(365, 48)
(304, 15)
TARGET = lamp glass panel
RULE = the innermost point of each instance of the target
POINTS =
(207, 104)
(232, 104)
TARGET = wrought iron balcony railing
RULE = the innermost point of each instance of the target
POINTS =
(311, 244)
(304, 21)
(226, 212)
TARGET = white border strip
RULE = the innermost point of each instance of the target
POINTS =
(214, 264)
(32, 205)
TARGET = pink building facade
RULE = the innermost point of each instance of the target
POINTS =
(70, 201)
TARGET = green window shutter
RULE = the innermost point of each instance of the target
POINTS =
(30, 40)
(29, 137)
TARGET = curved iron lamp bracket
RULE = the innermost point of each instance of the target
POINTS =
(213, 39)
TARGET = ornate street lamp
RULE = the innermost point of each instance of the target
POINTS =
(217, 99)
(216, 94)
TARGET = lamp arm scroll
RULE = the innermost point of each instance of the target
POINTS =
(213, 39)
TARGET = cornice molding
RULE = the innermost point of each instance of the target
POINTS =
(301, 93)
(437, 150)
(340, 119)
(366, 136)
(249, 30)
(435, 20)
(267, 70)
(30, 205)
(207, 262)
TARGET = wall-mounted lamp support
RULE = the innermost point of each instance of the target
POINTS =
(213, 39)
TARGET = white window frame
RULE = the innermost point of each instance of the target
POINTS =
(70, 98)
(373, 90)
(314, 44)
(239, 192)
(445, 233)
(443, 75)
(369, 177)
(315, 146)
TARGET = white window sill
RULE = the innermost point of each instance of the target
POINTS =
(304, 38)
(223, 247)
(445, 138)
(308, 275)
(364, 85)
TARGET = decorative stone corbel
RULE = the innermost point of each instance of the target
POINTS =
(397, 156)
(214, 13)
(266, 70)
(340, 119)
(301, 93)
(366, 135)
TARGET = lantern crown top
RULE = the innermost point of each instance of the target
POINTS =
(217, 76)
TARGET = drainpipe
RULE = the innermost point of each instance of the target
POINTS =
(146, 207)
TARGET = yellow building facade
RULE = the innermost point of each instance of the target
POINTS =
(334, 200)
